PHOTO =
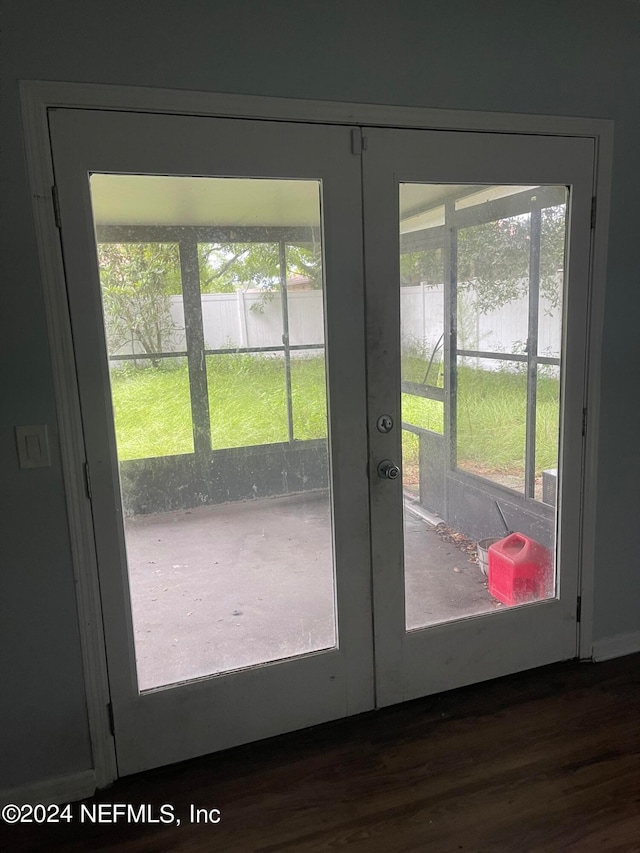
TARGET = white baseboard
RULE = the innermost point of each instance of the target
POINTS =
(62, 789)
(617, 646)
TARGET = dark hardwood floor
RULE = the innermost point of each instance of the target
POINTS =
(543, 761)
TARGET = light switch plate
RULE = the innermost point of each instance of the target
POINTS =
(33, 446)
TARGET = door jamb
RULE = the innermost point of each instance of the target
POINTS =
(37, 97)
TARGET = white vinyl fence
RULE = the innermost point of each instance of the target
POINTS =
(243, 319)
(249, 319)
(504, 330)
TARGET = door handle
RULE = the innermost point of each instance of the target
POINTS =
(388, 470)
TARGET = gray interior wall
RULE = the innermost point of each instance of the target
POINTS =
(567, 57)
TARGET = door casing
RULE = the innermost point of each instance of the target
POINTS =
(38, 97)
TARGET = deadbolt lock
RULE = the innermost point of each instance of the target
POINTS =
(384, 423)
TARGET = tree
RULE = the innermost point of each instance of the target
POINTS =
(227, 267)
(136, 281)
(422, 267)
(493, 260)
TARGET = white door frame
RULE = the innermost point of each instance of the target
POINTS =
(38, 97)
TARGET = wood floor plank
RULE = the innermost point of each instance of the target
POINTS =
(542, 761)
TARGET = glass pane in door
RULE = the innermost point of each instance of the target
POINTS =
(212, 294)
(481, 295)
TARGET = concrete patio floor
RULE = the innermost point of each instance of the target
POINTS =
(228, 586)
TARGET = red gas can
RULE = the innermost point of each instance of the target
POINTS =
(520, 570)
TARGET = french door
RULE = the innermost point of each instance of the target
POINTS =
(220, 627)
(286, 505)
(493, 231)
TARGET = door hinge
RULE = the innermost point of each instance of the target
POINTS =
(594, 208)
(56, 206)
(87, 480)
(584, 422)
(579, 608)
(112, 725)
(358, 141)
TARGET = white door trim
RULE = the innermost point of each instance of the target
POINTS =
(39, 96)
(72, 455)
(146, 99)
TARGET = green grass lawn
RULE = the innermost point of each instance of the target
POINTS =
(247, 405)
(492, 418)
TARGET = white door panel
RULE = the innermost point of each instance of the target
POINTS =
(153, 172)
(433, 187)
